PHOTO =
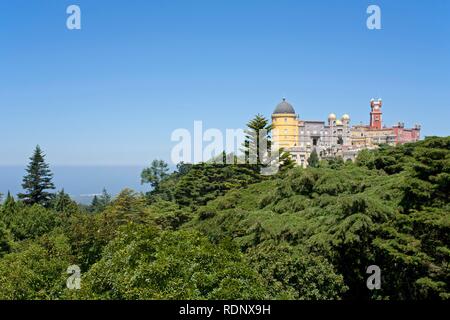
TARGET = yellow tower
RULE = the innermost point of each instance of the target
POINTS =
(285, 126)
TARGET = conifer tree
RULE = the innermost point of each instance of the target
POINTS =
(99, 203)
(154, 174)
(9, 201)
(257, 136)
(313, 160)
(95, 204)
(37, 180)
(8, 210)
(104, 199)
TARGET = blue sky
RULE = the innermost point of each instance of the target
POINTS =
(112, 92)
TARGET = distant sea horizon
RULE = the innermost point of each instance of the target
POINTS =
(82, 183)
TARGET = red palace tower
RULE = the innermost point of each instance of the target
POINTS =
(376, 114)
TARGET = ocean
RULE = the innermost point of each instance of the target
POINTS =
(82, 183)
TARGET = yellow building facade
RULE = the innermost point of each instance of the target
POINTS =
(285, 126)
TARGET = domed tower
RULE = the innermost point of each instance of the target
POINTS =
(376, 114)
(285, 125)
(346, 130)
(345, 119)
(331, 119)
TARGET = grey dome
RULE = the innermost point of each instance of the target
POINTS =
(284, 107)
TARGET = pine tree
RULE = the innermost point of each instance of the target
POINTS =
(37, 180)
(154, 174)
(257, 136)
(313, 160)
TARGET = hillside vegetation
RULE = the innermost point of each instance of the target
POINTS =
(212, 231)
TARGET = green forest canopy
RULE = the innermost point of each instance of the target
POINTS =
(212, 231)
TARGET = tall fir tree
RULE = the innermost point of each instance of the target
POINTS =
(37, 180)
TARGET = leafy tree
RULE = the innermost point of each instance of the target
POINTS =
(313, 160)
(127, 206)
(290, 273)
(29, 222)
(157, 172)
(366, 158)
(88, 234)
(170, 265)
(37, 180)
(35, 270)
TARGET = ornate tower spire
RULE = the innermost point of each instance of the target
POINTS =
(376, 114)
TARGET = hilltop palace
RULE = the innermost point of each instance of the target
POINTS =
(336, 137)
